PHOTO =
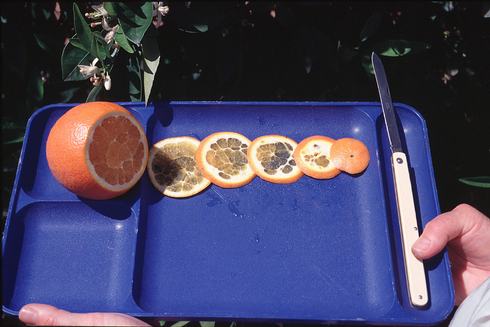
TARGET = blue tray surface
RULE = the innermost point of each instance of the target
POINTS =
(314, 250)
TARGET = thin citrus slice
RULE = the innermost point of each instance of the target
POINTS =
(312, 155)
(350, 155)
(271, 157)
(97, 150)
(222, 158)
(172, 167)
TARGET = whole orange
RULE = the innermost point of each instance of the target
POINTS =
(97, 150)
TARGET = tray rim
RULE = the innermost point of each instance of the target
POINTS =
(141, 106)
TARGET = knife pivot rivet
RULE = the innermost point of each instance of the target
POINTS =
(399, 160)
(420, 297)
(415, 228)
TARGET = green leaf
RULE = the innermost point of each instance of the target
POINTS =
(46, 42)
(151, 56)
(485, 9)
(10, 125)
(99, 49)
(71, 57)
(68, 94)
(122, 40)
(201, 28)
(36, 87)
(398, 48)
(135, 81)
(180, 324)
(76, 42)
(40, 42)
(92, 96)
(41, 10)
(46, 13)
(98, 36)
(134, 18)
(207, 323)
(12, 131)
(82, 29)
(109, 7)
(196, 28)
(479, 181)
(15, 141)
(367, 64)
(371, 26)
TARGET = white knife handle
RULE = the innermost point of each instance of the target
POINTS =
(414, 269)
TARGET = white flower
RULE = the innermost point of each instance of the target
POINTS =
(88, 71)
(159, 10)
(163, 10)
(110, 35)
(100, 10)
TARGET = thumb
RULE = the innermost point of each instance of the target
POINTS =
(47, 315)
(442, 229)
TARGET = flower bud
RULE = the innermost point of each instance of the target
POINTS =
(97, 80)
(107, 82)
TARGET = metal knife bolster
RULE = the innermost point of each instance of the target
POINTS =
(414, 269)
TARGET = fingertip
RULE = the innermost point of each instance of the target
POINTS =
(421, 248)
(28, 314)
(419, 255)
(39, 314)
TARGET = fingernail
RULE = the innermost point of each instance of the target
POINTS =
(28, 315)
(421, 245)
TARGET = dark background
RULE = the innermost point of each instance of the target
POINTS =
(439, 63)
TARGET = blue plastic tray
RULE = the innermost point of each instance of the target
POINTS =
(316, 251)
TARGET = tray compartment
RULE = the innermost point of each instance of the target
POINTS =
(266, 250)
(76, 255)
(36, 179)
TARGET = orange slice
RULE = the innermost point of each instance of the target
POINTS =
(350, 155)
(97, 150)
(312, 155)
(271, 157)
(222, 158)
(172, 167)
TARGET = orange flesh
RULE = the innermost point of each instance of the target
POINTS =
(221, 157)
(315, 162)
(116, 150)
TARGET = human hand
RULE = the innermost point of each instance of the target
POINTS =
(466, 232)
(47, 315)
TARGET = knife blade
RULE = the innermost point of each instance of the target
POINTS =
(414, 268)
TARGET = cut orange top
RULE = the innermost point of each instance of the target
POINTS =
(97, 150)
(350, 155)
